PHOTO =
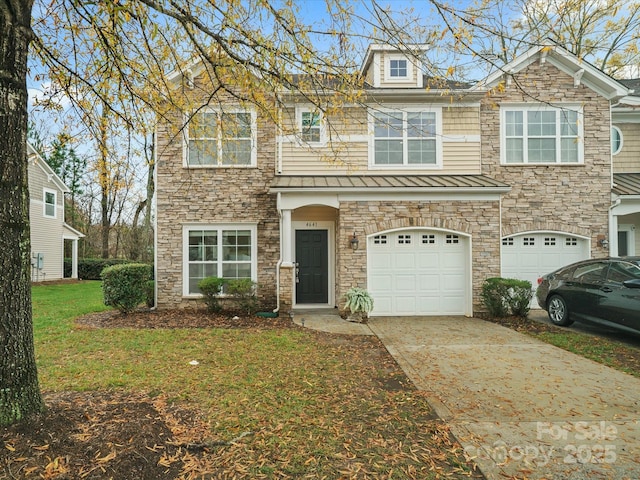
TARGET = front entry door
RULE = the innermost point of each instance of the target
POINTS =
(312, 253)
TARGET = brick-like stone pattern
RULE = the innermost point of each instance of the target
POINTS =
(213, 196)
(480, 219)
(564, 198)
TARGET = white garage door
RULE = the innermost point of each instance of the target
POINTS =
(418, 272)
(531, 255)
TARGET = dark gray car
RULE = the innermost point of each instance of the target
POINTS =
(605, 291)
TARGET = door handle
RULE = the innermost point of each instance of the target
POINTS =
(297, 272)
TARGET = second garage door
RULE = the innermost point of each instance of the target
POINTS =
(419, 272)
(531, 255)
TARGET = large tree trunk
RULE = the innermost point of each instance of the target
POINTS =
(19, 390)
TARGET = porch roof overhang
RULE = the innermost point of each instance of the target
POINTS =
(387, 183)
(295, 191)
(625, 184)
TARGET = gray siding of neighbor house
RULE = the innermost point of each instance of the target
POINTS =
(565, 198)
(46, 232)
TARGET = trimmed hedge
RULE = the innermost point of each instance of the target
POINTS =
(506, 296)
(126, 286)
(91, 268)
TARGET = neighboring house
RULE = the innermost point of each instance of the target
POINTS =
(46, 215)
(418, 195)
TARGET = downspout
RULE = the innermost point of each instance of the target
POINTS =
(613, 227)
(279, 263)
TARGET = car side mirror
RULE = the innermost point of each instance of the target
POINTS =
(634, 283)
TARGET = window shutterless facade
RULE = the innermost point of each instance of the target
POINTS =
(221, 139)
(398, 68)
(541, 134)
(310, 126)
(409, 138)
(49, 200)
(225, 251)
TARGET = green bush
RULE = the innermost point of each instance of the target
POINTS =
(91, 268)
(125, 286)
(243, 291)
(211, 288)
(506, 296)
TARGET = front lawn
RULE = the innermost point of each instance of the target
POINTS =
(263, 402)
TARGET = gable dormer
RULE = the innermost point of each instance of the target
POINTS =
(386, 66)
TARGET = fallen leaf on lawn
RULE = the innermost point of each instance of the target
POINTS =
(9, 447)
(42, 447)
(106, 458)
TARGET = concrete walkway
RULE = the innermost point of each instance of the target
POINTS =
(520, 408)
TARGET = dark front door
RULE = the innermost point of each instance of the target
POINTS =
(313, 266)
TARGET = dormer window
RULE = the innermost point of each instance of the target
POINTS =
(398, 68)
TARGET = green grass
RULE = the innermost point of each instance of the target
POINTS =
(315, 406)
(609, 353)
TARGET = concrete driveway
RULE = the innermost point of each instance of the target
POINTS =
(521, 408)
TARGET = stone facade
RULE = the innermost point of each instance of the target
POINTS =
(189, 196)
(557, 197)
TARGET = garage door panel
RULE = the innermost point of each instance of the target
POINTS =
(406, 283)
(381, 260)
(406, 260)
(412, 273)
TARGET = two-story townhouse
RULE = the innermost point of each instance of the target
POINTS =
(49, 232)
(418, 192)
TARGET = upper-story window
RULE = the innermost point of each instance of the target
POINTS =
(398, 68)
(541, 134)
(406, 138)
(616, 140)
(310, 126)
(222, 139)
(50, 199)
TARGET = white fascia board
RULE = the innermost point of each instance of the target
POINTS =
(36, 159)
(565, 61)
(75, 234)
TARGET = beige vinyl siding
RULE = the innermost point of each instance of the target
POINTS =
(461, 121)
(46, 232)
(628, 160)
(461, 153)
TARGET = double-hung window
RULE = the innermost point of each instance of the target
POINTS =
(541, 135)
(408, 138)
(310, 126)
(227, 251)
(222, 139)
(50, 199)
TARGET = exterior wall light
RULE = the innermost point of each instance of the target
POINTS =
(604, 243)
(354, 242)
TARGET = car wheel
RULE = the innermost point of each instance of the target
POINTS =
(558, 311)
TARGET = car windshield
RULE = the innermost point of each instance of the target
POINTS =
(622, 271)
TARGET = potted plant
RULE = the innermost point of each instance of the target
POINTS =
(359, 303)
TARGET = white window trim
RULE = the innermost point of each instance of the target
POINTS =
(387, 69)
(222, 226)
(405, 166)
(44, 203)
(617, 129)
(541, 108)
(323, 131)
(218, 111)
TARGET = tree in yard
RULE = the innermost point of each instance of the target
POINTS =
(19, 390)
